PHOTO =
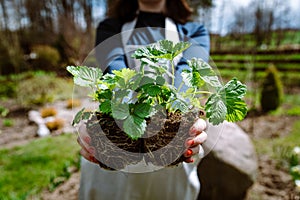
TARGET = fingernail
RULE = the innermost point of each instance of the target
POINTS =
(92, 159)
(189, 152)
(190, 143)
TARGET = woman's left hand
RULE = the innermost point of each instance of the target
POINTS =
(193, 144)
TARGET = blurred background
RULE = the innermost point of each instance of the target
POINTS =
(257, 41)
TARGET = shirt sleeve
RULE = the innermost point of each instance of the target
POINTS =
(198, 36)
(108, 46)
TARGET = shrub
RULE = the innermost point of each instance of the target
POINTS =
(272, 90)
(47, 57)
(42, 88)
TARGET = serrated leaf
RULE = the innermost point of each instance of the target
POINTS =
(136, 81)
(227, 103)
(235, 89)
(142, 110)
(147, 80)
(205, 71)
(216, 109)
(125, 74)
(103, 94)
(180, 47)
(105, 107)
(179, 105)
(192, 79)
(236, 110)
(120, 94)
(236, 107)
(77, 117)
(134, 126)
(160, 80)
(120, 110)
(85, 76)
(152, 90)
(162, 49)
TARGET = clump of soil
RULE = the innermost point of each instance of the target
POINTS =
(161, 146)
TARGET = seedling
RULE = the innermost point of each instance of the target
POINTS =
(135, 96)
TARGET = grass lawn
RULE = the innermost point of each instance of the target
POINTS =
(27, 170)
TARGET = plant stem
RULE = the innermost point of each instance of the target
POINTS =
(180, 86)
(203, 92)
(173, 72)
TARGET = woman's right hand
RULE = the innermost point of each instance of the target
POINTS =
(84, 140)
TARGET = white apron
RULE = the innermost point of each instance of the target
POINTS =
(176, 183)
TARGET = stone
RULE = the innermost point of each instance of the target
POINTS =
(42, 130)
(230, 166)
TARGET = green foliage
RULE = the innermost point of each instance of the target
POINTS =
(28, 169)
(43, 88)
(272, 90)
(133, 96)
(47, 57)
(8, 122)
(3, 111)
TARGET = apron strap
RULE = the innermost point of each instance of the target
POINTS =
(171, 33)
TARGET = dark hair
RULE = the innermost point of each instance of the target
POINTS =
(126, 10)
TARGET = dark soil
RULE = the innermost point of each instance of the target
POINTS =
(167, 140)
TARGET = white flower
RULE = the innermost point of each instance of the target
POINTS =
(296, 150)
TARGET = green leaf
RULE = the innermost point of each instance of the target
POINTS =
(142, 110)
(136, 81)
(105, 107)
(162, 49)
(152, 90)
(192, 79)
(179, 105)
(236, 107)
(236, 110)
(147, 80)
(120, 110)
(134, 126)
(216, 109)
(120, 94)
(180, 47)
(85, 76)
(103, 94)
(160, 80)
(204, 71)
(81, 115)
(124, 76)
(227, 103)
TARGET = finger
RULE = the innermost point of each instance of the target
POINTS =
(198, 127)
(194, 141)
(189, 160)
(86, 147)
(88, 156)
(84, 134)
(191, 151)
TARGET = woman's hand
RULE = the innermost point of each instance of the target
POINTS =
(84, 140)
(193, 144)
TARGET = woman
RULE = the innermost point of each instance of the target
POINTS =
(142, 22)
